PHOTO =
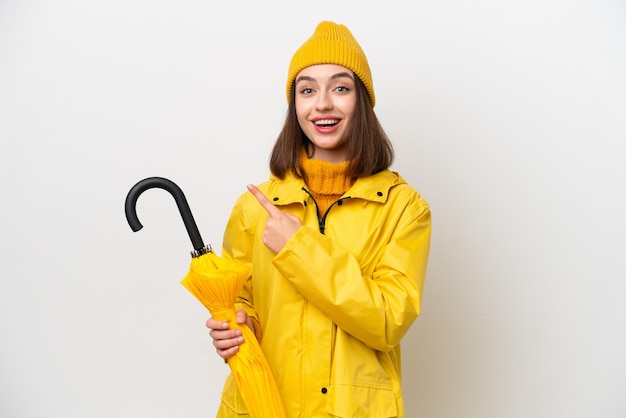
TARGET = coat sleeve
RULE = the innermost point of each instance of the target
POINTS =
(377, 309)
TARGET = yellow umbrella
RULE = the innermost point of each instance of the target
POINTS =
(216, 282)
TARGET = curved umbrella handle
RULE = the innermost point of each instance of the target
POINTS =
(181, 202)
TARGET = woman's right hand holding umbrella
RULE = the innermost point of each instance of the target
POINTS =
(226, 340)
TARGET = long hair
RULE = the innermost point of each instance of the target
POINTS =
(369, 147)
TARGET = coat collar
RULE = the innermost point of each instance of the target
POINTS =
(374, 188)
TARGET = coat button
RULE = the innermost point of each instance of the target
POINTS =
(275, 199)
(340, 202)
(324, 390)
(379, 193)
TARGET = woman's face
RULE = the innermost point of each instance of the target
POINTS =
(325, 102)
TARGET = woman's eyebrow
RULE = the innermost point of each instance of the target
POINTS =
(340, 75)
(304, 78)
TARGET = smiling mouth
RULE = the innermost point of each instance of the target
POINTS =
(326, 123)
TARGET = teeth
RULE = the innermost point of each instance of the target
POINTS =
(326, 122)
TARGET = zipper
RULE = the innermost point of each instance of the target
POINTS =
(321, 219)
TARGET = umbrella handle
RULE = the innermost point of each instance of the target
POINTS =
(181, 202)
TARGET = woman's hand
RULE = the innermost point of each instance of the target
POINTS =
(280, 226)
(226, 340)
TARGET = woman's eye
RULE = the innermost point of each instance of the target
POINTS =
(306, 91)
(342, 89)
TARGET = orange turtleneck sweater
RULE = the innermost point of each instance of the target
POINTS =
(326, 182)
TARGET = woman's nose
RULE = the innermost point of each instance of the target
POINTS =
(324, 101)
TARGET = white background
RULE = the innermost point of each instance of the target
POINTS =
(508, 116)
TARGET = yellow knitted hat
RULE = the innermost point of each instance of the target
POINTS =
(331, 43)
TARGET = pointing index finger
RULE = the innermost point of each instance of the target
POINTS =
(264, 201)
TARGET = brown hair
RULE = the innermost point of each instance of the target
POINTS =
(369, 147)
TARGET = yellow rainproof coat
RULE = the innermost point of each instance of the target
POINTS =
(336, 301)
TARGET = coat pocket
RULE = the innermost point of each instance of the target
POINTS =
(361, 402)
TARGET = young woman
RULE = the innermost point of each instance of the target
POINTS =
(337, 243)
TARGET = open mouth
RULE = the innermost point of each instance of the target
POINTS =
(326, 123)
